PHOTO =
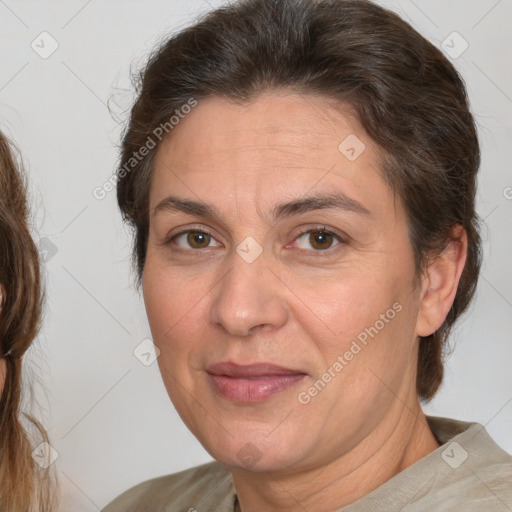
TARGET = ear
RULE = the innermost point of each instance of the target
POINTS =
(439, 283)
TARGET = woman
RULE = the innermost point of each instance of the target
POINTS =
(25, 485)
(301, 178)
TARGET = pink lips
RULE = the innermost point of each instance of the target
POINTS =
(251, 383)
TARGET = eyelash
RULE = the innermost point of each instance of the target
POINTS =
(323, 229)
(319, 252)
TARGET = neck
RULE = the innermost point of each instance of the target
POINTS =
(396, 444)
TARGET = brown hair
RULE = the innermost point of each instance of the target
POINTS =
(24, 486)
(404, 92)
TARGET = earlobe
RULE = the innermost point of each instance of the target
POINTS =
(440, 283)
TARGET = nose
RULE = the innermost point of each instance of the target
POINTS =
(248, 299)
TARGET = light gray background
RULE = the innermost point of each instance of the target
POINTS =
(108, 415)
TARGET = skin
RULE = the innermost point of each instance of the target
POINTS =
(295, 306)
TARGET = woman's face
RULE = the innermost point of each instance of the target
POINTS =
(279, 282)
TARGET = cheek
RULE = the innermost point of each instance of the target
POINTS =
(176, 309)
(169, 295)
(336, 310)
(367, 319)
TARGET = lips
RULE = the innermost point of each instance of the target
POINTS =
(252, 383)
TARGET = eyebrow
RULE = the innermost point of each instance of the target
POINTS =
(299, 206)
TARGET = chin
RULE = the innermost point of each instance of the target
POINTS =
(256, 452)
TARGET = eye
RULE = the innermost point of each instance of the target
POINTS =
(318, 240)
(194, 240)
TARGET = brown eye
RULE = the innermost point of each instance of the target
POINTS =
(321, 240)
(194, 239)
(198, 239)
(316, 240)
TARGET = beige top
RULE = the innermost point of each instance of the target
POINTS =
(468, 473)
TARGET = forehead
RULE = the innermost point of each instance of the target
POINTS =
(281, 144)
(279, 122)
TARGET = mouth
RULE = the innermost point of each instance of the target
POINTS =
(252, 383)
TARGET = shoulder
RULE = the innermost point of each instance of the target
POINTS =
(469, 472)
(208, 484)
(476, 470)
